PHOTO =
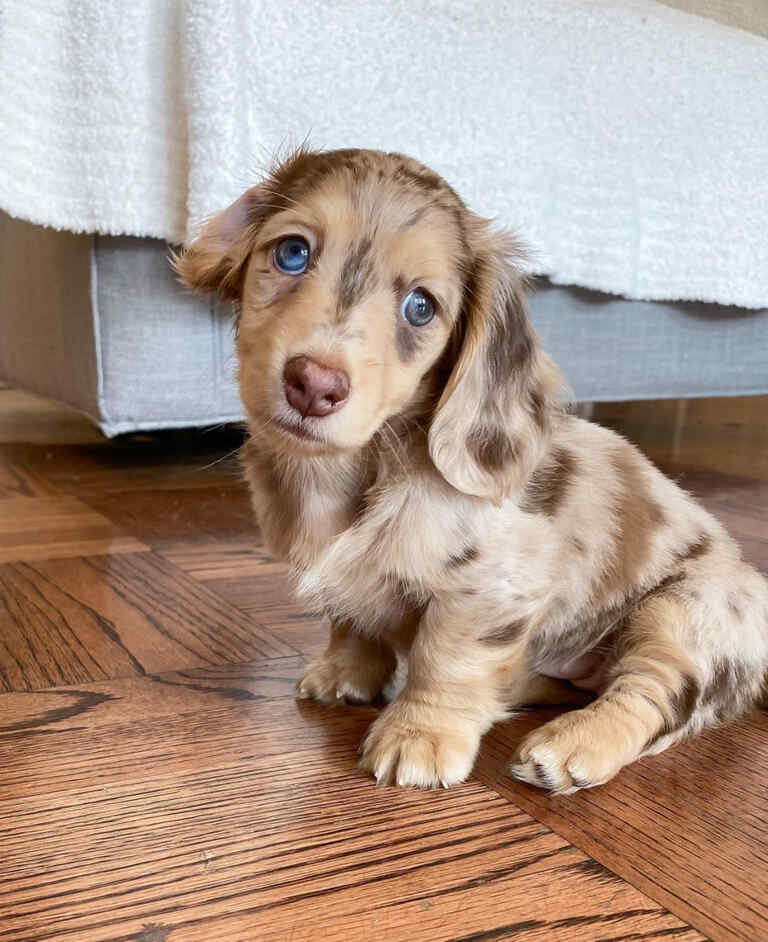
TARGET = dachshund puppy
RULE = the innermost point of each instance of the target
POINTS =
(410, 458)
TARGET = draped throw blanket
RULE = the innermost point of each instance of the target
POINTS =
(627, 141)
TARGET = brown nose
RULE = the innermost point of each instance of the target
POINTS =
(314, 389)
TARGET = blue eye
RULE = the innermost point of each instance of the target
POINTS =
(292, 255)
(418, 308)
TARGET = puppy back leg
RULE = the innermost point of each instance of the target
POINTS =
(651, 700)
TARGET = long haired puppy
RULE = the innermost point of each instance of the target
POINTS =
(410, 459)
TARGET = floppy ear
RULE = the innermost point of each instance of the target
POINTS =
(215, 259)
(493, 420)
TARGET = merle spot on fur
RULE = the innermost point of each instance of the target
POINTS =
(578, 544)
(538, 408)
(700, 548)
(547, 487)
(638, 518)
(467, 555)
(424, 179)
(675, 578)
(682, 703)
(491, 449)
(510, 342)
(505, 634)
(726, 688)
(305, 170)
(357, 277)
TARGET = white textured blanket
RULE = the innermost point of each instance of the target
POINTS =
(626, 141)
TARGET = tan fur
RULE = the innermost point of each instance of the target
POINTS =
(354, 668)
(452, 515)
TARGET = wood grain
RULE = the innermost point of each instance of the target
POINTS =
(259, 585)
(175, 520)
(129, 699)
(55, 527)
(688, 827)
(175, 460)
(158, 783)
(76, 620)
(18, 481)
(203, 825)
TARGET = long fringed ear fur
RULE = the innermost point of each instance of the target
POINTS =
(216, 259)
(491, 426)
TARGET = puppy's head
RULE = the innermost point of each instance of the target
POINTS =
(367, 289)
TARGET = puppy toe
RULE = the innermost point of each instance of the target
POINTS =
(352, 694)
(336, 682)
(417, 766)
(317, 683)
(543, 769)
(379, 757)
(414, 757)
(564, 756)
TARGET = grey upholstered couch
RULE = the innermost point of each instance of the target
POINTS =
(99, 323)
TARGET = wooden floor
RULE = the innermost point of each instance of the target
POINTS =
(159, 783)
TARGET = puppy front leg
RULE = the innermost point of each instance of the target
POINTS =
(429, 735)
(353, 668)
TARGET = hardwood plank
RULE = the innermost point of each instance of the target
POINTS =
(123, 700)
(179, 460)
(689, 827)
(259, 585)
(17, 481)
(33, 528)
(175, 520)
(154, 805)
(77, 620)
(203, 825)
(741, 491)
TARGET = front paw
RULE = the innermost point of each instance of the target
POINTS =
(337, 679)
(404, 749)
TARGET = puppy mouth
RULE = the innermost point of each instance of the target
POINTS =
(301, 429)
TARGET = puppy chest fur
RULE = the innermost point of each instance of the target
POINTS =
(410, 457)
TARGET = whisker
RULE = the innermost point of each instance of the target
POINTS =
(216, 461)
